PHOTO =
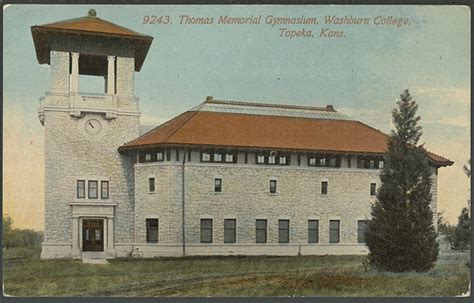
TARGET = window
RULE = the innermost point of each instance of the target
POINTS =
(159, 156)
(333, 162)
(246, 158)
(229, 158)
(282, 160)
(81, 188)
(151, 184)
(273, 186)
(168, 155)
(271, 159)
(299, 160)
(361, 230)
(177, 155)
(104, 189)
(206, 157)
(148, 157)
(217, 157)
(373, 189)
(189, 155)
(334, 231)
(151, 230)
(229, 230)
(312, 162)
(260, 159)
(361, 164)
(313, 231)
(324, 187)
(283, 231)
(218, 185)
(261, 231)
(92, 186)
(206, 230)
(372, 164)
(380, 164)
(322, 162)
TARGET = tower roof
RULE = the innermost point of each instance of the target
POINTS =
(231, 124)
(88, 26)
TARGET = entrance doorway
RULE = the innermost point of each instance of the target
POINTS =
(92, 235)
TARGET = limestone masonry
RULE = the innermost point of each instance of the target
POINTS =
(223, 178)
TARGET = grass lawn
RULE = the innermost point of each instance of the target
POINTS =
(226, 276)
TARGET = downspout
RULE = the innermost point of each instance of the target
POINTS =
(183, 230)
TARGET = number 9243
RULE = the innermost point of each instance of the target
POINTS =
(156, 19)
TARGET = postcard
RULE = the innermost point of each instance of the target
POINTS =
(236, 150)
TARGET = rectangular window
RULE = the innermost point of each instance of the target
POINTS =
(206, 230)
(151, 230)
(246, 158)
(361, 164)
(322, 162)
(92, 186)
(104, 189)
(217, 157)
(373, 189)
(261, 231)
(177, 155)
(282, 160)
(271, 159)
(273, 186)
(206, 157)
(229, 158)
(151, 184)
(333, 162)
(372, 164)
(168, 155)
(361, 230)
(159, 156)
(312, 161)
(324, 187)
(218, 185)
(260, 159)
(81, 188)
(299, 160)
(148, 157)
(189, 155)
(334, 231)
(380, 164)
(313, 231)
(283, 231)
(229, 230)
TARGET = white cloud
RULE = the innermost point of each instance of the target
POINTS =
(460, 120)
(446, 95)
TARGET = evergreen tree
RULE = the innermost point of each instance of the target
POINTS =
(401, 235)
(462, 233)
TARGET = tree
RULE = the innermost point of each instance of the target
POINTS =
(7, 231)
(462, 233)
(401, 235)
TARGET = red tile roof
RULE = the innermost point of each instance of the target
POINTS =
(223, 129)
(89, 25)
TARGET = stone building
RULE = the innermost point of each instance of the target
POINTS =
(222, 178)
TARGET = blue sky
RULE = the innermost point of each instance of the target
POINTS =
(361, 74)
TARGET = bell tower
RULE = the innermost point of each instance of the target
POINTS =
(89, 111)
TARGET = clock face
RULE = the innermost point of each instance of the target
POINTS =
(93, 127)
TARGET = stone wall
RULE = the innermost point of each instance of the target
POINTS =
(245, 197)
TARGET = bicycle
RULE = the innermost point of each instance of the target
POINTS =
(135, 253)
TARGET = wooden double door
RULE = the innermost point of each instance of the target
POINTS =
(92, 235)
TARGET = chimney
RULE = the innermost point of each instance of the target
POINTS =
(209, 99)
(330, 108)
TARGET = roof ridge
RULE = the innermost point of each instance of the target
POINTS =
(328, 108)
